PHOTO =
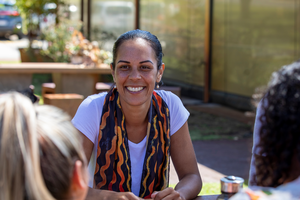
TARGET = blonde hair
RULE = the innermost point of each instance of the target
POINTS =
(38, 148)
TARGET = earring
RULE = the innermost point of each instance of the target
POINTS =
(157, 86)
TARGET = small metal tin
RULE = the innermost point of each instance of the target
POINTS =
(231, 184)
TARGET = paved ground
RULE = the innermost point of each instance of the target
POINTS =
(9, 49)
(219, 158)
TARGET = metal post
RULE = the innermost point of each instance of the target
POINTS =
(89, 11)
(207, 49)
(81, 10)
(137, 14)
(81, 13)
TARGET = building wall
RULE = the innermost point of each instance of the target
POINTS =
(250, 39)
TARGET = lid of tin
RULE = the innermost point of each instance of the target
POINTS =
(232, 179)
(231, 184)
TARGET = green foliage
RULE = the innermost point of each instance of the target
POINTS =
(29, 7)
(38, 80)
(32, 11)
(210, 189)
(205, 126)
(57, 37)
(213, 188)
(207, 188)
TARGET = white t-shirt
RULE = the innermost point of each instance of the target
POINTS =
(288, 191)
(256, 140)
(87, 121)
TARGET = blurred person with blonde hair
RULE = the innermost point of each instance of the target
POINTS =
(41, 153)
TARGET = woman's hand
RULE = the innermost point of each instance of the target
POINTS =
(96, 194)
(122, 196)
(168, 193)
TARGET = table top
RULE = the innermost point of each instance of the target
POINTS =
(207, 197)
(45, 67)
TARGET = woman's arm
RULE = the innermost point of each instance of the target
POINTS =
(185, 163)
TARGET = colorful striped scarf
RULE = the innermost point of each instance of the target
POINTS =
(113, 166)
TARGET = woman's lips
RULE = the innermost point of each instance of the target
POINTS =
(135, 89)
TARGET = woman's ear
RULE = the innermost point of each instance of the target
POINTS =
(79, 185)
(112, 71)
(160, 72)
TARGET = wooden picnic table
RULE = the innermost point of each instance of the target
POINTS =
(68, 78)
(207, 197)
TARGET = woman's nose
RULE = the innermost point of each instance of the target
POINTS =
(135, 74)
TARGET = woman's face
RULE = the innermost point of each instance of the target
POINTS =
(136, 72)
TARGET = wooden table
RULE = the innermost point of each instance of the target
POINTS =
(207, 197)
(68, 78)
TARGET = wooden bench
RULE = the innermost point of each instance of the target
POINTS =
(103, 86)
(48, 88)
(176, 90)
(68, 78)
(67, 102)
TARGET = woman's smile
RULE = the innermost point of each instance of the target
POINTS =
(135, 89)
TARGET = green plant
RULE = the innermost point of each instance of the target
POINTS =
(33, 11)
(57, 37)
(65, 43)
(206, 126)
(211, 188)
(207, 188)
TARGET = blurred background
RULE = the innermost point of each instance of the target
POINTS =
(220, 51)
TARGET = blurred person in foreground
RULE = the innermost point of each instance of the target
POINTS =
(131, 132)
(41, 153)
(275, 165)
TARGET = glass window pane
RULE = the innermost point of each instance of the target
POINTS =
(109, 19)
(251, 39)
(179, 25)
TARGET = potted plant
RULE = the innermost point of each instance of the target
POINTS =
(57, 37)
(65, 43)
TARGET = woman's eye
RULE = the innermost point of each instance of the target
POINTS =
(124, 67)
(145, 67)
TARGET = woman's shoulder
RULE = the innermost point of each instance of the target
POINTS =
(92, 102)
(98, 96)
(167, 95)
(95, 98)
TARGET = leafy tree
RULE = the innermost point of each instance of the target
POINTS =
(33, 11)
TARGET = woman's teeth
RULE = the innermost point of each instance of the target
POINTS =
(134, 89)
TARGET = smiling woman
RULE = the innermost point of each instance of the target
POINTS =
(136, 72)
(130, 132)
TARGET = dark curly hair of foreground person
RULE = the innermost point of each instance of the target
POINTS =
(280, 132)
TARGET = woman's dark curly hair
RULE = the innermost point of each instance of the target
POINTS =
(280, 130)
